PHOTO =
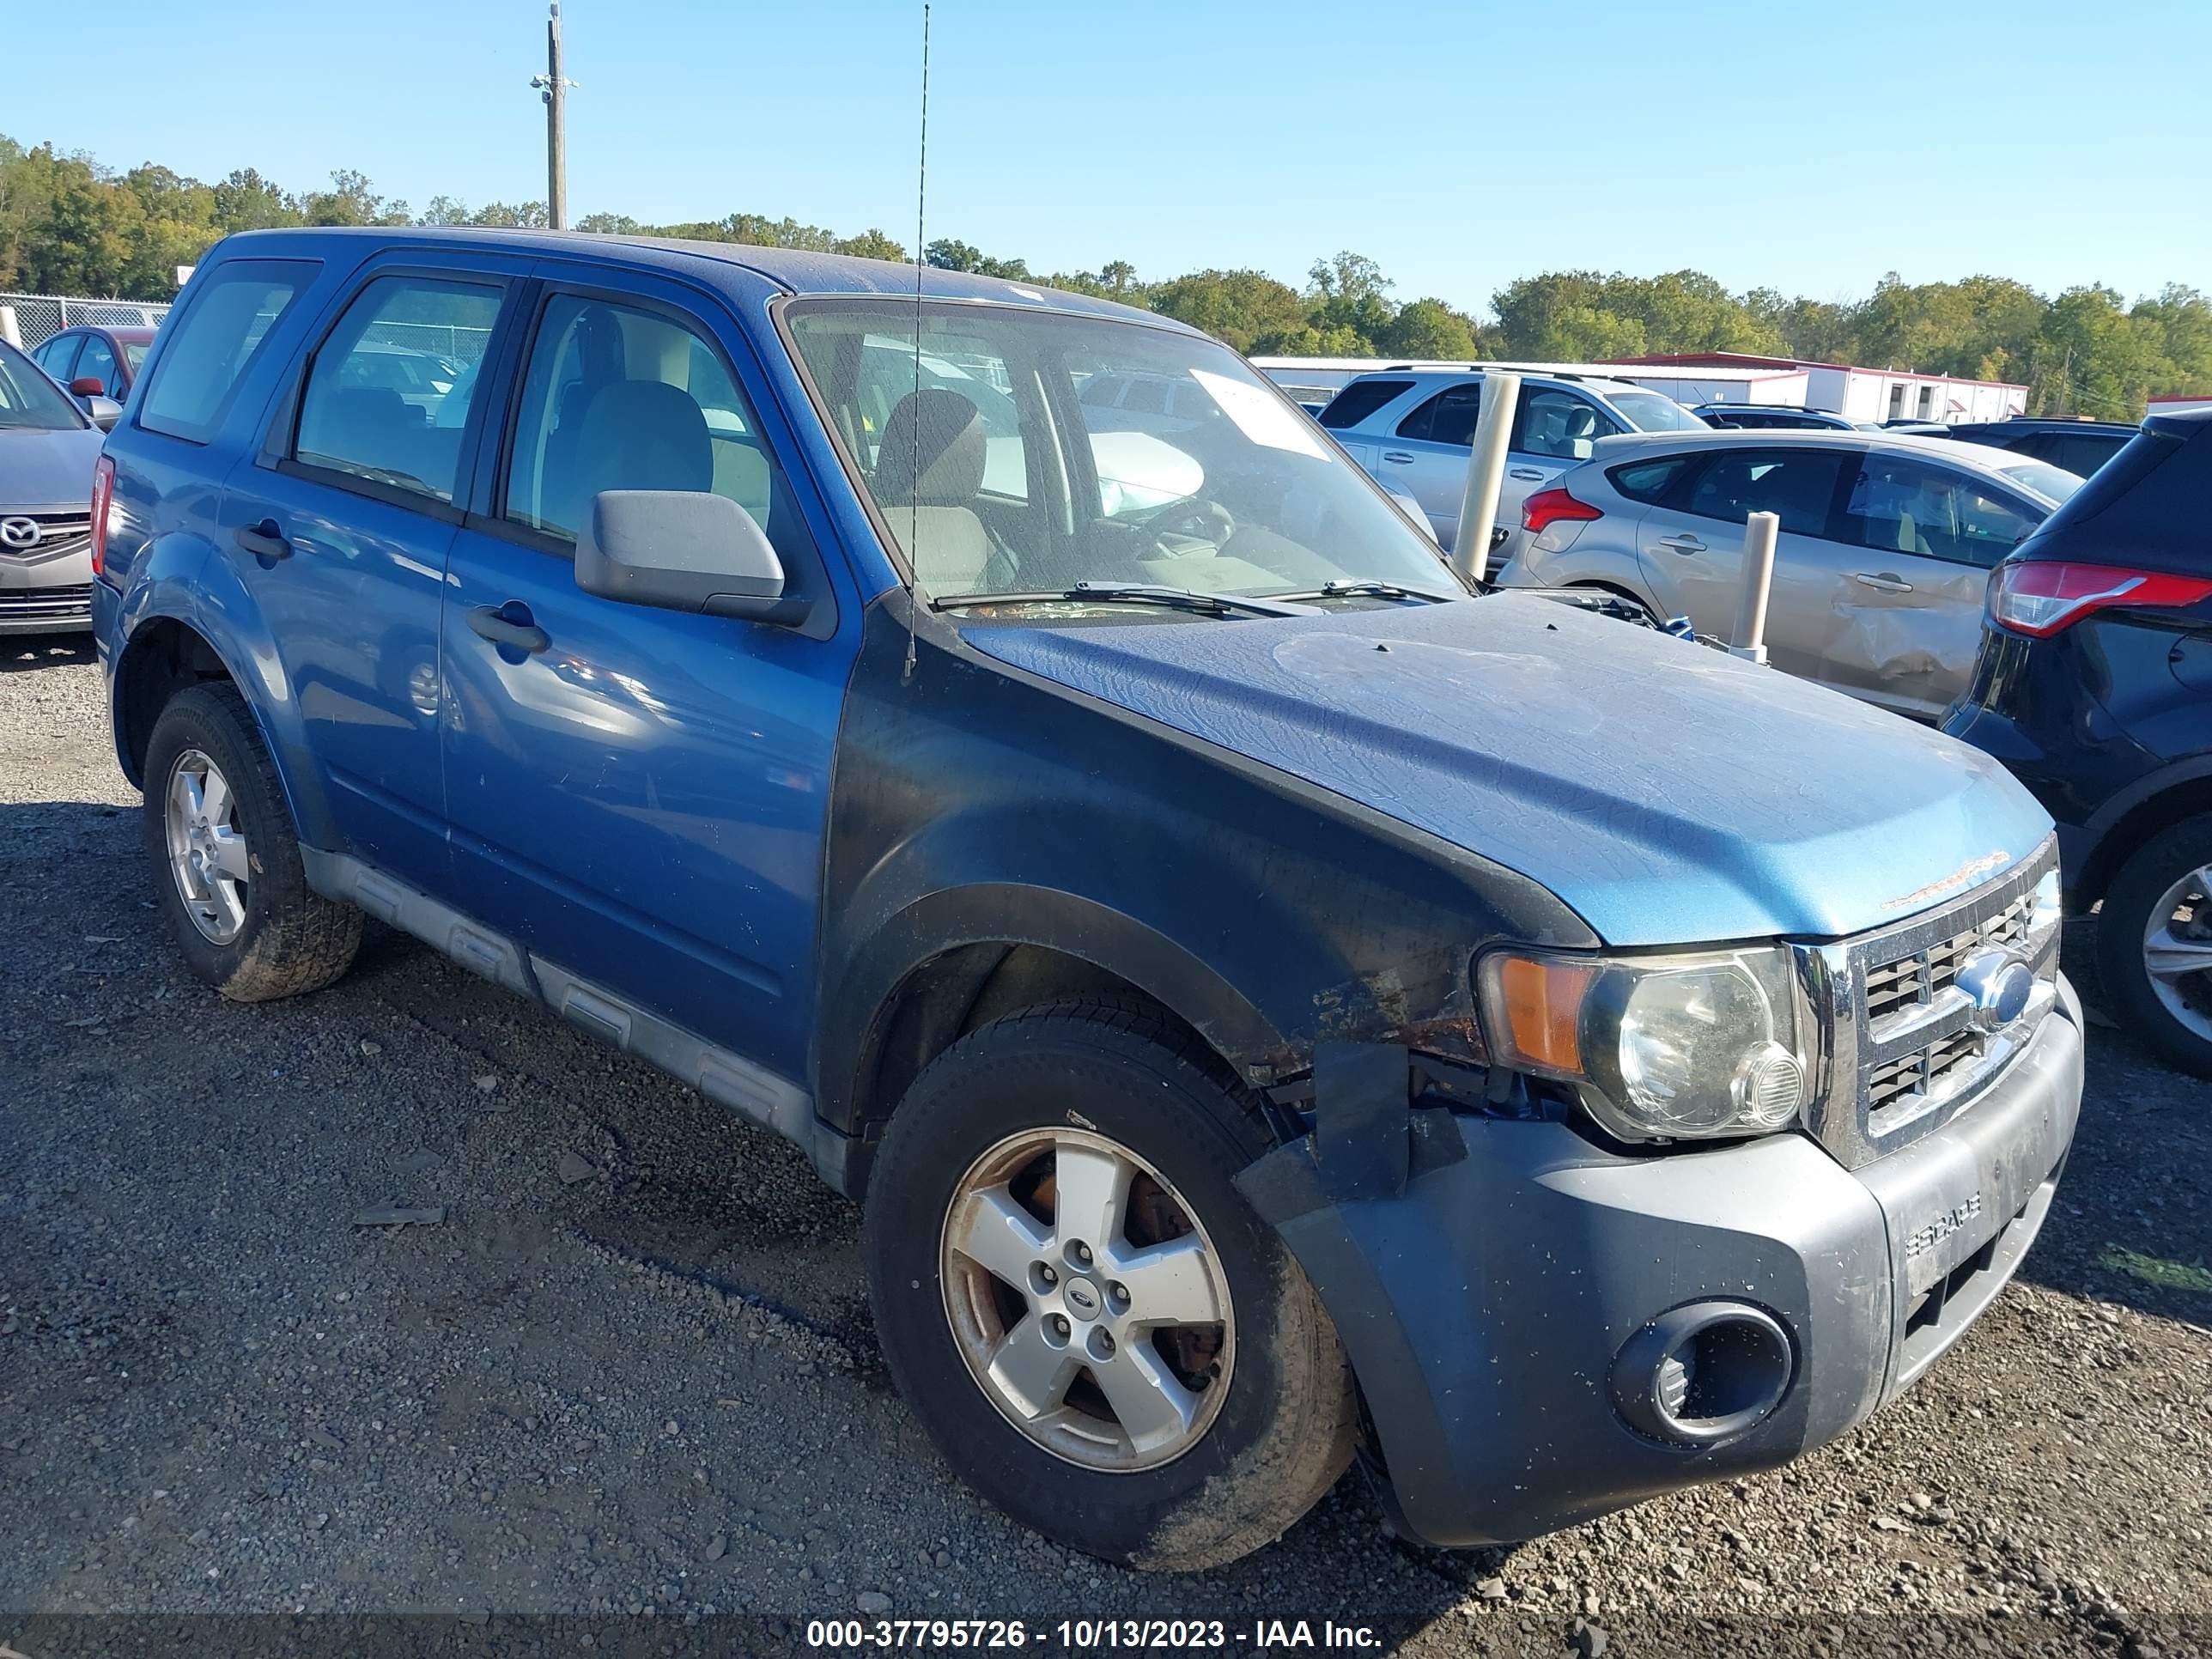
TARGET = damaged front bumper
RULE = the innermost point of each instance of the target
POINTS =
(1510, 1293)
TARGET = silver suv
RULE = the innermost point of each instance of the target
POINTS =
(1880, 571)
(1411, 428)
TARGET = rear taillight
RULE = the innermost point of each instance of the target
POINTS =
(2043, 599)
(1547, 507)
(103, 492)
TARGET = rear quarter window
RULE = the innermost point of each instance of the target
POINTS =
(215, 341)
(1648, 481)
(1360, 399)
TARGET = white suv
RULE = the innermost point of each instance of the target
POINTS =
(1412, 428)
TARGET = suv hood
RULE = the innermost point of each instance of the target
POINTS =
(1669, 793)
(48, 467)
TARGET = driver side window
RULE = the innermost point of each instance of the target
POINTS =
(620, 397)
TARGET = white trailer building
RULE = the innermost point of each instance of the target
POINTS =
(1873, 395)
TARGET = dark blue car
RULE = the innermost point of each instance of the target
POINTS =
(1273, 1002)
(2094, 685)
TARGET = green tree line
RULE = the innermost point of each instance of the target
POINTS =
(68, 225)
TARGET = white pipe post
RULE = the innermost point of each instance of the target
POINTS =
(1760, 531)
(1485, 474)
(9, 332)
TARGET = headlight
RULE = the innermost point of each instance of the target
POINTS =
(1664, 1048)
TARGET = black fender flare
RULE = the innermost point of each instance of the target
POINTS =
(1016, 914)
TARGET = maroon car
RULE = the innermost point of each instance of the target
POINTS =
(103, 359)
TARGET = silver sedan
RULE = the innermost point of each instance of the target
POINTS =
(1884, 558)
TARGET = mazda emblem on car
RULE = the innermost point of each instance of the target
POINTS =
(19, 535)
(2000, 984)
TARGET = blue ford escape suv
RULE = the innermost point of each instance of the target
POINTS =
(1274, 1005)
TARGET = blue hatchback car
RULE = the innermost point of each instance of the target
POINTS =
(1275, 1004)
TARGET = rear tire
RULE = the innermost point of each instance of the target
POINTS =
(1261, 1409)
(2158, 914)
(226, 858)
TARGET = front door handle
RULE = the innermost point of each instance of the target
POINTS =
(509, 624)
(1397, 455)
(1884, 583)
(1681, 544)
(264, 541)
(1528, 473)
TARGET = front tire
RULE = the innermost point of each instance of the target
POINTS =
(2155, 944)
(1096, 1330)
(227, 861)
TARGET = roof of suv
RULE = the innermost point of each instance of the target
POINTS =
(795, 270)
(1429, 374)
(2060, 423)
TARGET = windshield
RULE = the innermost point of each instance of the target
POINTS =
(28, 398)
(1027, 451)
(1647, 411)
(2054, 482)
(134, 354)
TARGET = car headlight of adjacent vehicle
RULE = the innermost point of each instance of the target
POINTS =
(1673, 1047)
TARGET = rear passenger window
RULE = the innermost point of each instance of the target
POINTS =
(1794, 484)
(214, 343)
(1446, 418)
(381, 406)
(1358, 400)
(1648, 481)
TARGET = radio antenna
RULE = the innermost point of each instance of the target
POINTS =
(913, 472)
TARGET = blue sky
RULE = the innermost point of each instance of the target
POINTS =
(1805, 147)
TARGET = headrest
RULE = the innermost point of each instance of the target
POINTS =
(932, 452)
(644, 435)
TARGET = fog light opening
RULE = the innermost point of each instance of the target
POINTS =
(1703, 1373)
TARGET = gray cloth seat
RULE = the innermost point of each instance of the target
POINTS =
(635, 435)
(929, 469)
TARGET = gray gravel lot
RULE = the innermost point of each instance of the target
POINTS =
(630, 1376)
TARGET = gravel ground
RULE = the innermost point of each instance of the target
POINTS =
(628, 1383)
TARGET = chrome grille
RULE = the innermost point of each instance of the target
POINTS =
(1908, 1050)
(61, 534)
(58, 605)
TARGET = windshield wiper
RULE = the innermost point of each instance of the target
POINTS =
(1365, 590)
(1180, 599)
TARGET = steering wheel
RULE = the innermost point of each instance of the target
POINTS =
(1204, 520)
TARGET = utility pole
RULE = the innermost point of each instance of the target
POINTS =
(554, 89)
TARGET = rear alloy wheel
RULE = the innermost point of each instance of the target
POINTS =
(1097, 1331)
(227, 861)
(208, 855)
(2155, 944)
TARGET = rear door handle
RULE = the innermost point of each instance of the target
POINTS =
(509, 624)
(1884, 583)
(1397, 455)
(1681, 544)
(1528, 473)
(264, 541)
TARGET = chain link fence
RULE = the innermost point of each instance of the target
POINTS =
(37, 318)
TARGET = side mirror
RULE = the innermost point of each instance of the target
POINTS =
(683, 550)
(88, 386)
(103, 411)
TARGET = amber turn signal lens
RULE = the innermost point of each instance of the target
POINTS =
(1542, 1005)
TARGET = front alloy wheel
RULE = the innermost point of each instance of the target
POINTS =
(1087, 1301)
(1097, 1329)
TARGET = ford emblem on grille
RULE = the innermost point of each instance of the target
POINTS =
(19, 535)
(2000, 984)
